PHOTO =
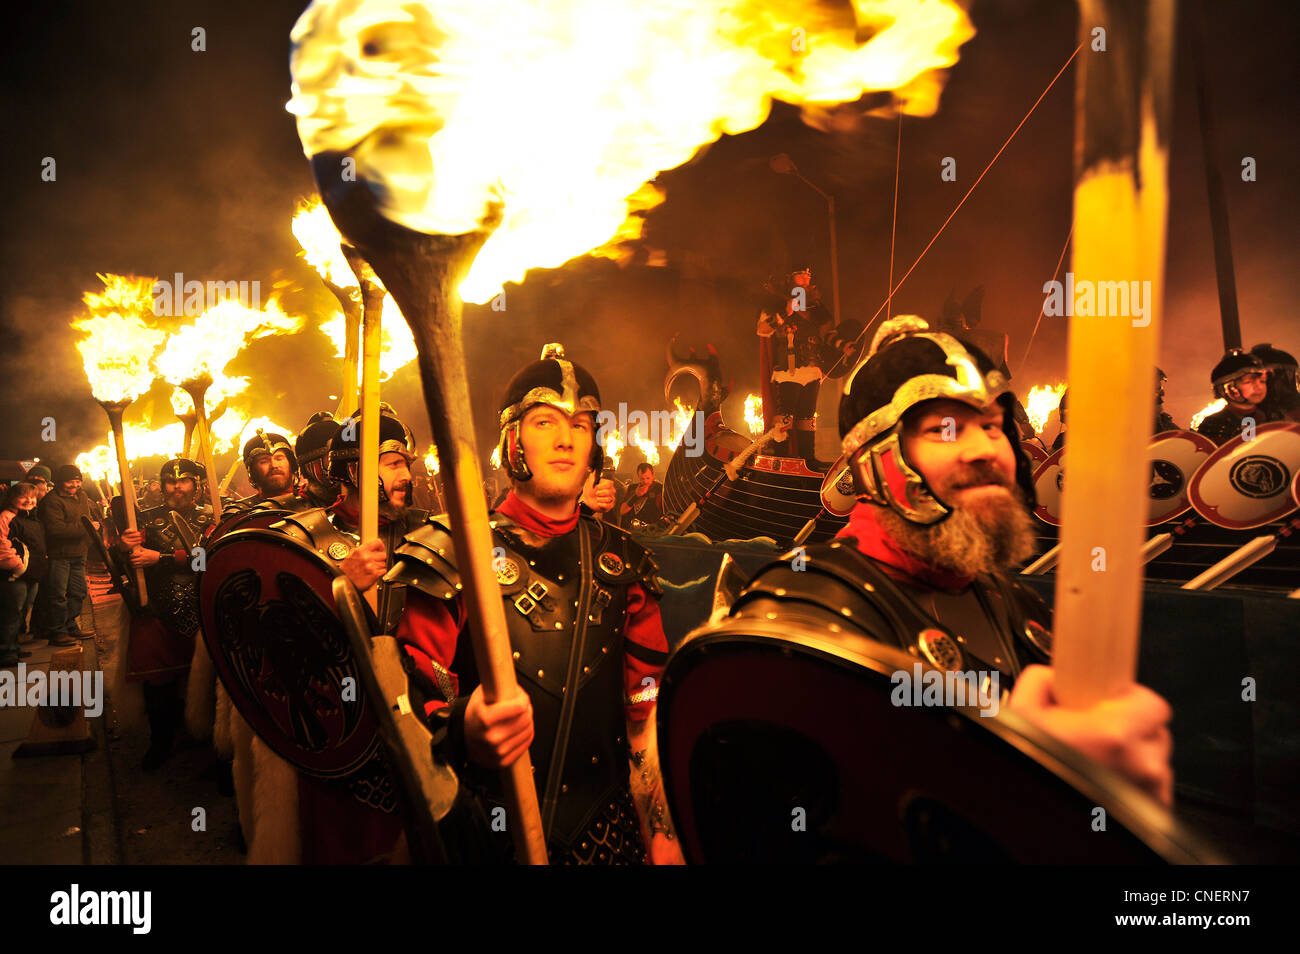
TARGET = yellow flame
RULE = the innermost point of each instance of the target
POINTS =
(496, 457)
(125, 295)
(431, 460)
(558, 114)
(1214, 407)
(1041, 401)
(397, 344)
(320, 241)
(754, 414)
(217, 335)
(613, 446)
(647, 448)
(97, 463)
(143, 441)
(681, 420)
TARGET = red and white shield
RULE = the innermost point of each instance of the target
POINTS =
(838, 496)
(1175, 457)
(1049, 485)
(1034, 451)
(1247, 484)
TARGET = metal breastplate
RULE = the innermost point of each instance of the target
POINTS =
(993, 624)
(315, 528)
(542, 588)
(173, 589)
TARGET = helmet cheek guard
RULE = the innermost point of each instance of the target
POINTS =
(884, 476)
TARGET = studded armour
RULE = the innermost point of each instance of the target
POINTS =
(992, 624)
(173, 590)
(587, 801)
(316, 528)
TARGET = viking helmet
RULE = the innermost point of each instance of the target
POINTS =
(1228, 373)
(178, 468)
(312, 444)
(263, 444)
(907, 365)
(344, 454)
(557, 382)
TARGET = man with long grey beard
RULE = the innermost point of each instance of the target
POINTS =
(943, 520)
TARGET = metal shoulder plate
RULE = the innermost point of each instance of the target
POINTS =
(821, 584)
(622, 561)
(313, 529)
(426, 560)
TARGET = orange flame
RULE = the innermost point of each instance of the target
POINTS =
(495, 459)
(681, 420)
(216, 336)
(97, 463)
(613, 446)
(1214, 407)
(118, 344)
(431, 464)
(320, 241)
(754, 414)
(560, 114)
(397, 343)
(1041, 401)
(647, 448)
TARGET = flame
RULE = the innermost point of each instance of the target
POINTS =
(431, 460)
(1041, 401)
(559, 114)
(496, 457)
(754, 414)
(1214, 407)
(98, 463)
(397, 344)
(142, 441)
(118, 344)
(681, 420)
(226, 432)
(265, 424)
(320, 241)
(121, 295)
(216, 336)
(613, 446)
(648, 448)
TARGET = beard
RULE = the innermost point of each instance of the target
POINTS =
(990, 535)
(275, 483)
(390, 508)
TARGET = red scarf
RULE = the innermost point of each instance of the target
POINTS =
(534, 522)
(875, 542)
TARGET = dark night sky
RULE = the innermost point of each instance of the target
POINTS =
(173, 160)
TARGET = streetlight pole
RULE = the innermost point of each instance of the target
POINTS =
(784, 165)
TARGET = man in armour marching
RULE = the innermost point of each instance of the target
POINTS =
(588, 640)
(926, 560)
(162, 643)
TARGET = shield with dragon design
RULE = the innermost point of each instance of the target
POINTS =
(1247, 483)
(281, 651)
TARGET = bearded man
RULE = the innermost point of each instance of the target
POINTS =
(943, 520)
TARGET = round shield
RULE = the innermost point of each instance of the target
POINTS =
(1175, 456)
(838, 496)
(252, 518)
(282, 653)
(1247, 484)
(1049, 486)
(1034, 451)
(783, 742)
